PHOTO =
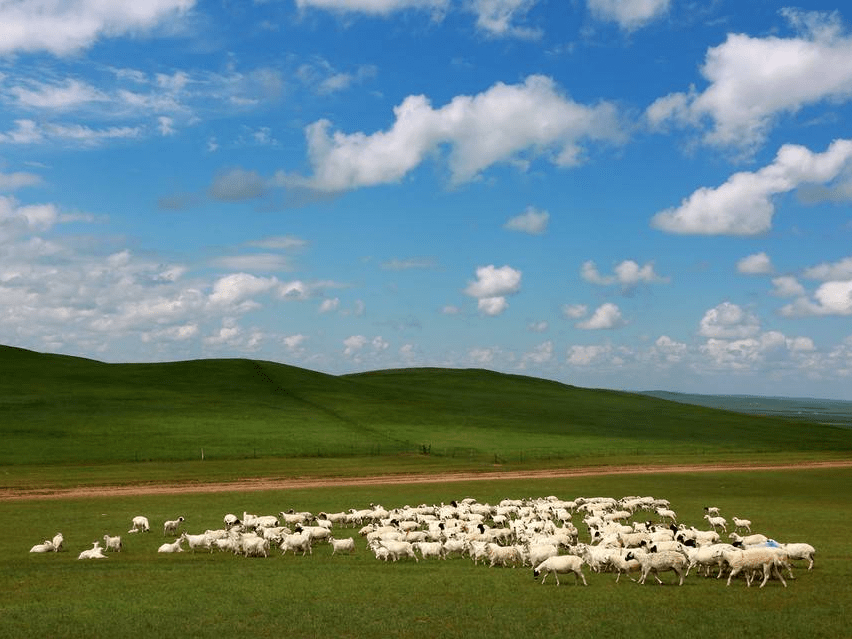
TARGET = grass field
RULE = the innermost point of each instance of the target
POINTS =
(68, 422)
(142, 593)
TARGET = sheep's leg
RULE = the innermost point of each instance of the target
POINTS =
(579, 575)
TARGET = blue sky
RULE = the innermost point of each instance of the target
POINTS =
(633, 194)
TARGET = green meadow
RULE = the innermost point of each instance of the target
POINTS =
(72, 422)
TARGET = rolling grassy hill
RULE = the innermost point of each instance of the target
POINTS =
(64, 410)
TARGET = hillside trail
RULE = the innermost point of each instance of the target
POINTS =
(261, 484)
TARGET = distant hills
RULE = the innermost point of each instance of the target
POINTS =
(61, 409)
(821, 411)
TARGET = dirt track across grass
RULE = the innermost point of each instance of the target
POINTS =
(259, 484)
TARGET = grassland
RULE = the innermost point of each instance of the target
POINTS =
(70, 422)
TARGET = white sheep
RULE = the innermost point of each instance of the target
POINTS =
(140, 524)
(172, 547)
(742, 524)
(667, 513)
(343, 545)
(502, 555)
(95, 552)
(721, 522)
(712, 510)
(561, 564)
(231, 520)
(749, 540)
(767, 559)
(396, 549)
(198, 541)
(58, 542)
(657, 562)
(170, 526)
(622, 566)
(112, 543)
(296, 541)
(45, 546)
(429, 549)
(800, 551)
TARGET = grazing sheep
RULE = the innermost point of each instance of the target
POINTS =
(170, 526)
(112, 543)
(742, 524)
(561, 564)
(140, 524)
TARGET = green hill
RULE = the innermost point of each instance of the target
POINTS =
(60, 409)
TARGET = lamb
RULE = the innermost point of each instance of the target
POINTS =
(172, 547)
(768, 559)
(95, 552)
(140, 524)
(170, 526)
(561, 564)
(721, 522)
(343, 545)
(659, 562)
(800, 551)
(112, 543)
(46, 546)
(744, 524)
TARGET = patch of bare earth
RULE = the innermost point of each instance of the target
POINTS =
(259, 484)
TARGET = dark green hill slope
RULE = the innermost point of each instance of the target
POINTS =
(59, 409)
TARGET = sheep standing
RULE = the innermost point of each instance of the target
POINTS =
(140, 524)
(170, 526)
(742, 524)
(657, 562)
(561, 564)
(721, 522)
(112, 543)
(767, 559)
(343, 545)
(58, 542)
(800, 551)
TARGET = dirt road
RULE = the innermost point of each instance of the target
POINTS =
(248, 485)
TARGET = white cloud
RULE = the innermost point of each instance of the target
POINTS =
(531, 221)
(586, 355)
(481, 356)
(65, 27)
(372, 7)
(629, 14)
(18, 180)
(840, 270)
(743, 205)
(606, 316)
(481, 130)
(754, 80)
(627, 273)
(541, 354)
(756, 264)
(353, 345)
(574, 311)
(294, 343)
(753, 353)
(831, 298)
(30, 132)
(538, 327)
(491, 287)
(329, 305)
(499, 17)
(165, 125)
(68, 94)
(787, 286)
(671, 351)
(237, 287)
(728, 321)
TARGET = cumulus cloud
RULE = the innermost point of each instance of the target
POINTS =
(329, 305)
(541, 354)
(752, 81)
(237, 287)
(629, 14)
(787, 286)
(728, 321)
(574, 311)
(531, 221)
(587, 355)
(840, 270)
(750, 354)
(670, 350)
(743, 204)
(61, 27)
(628, 274)
(606, 316)
(830, 298)
(481, 130)
(757, 264)
(491, 287)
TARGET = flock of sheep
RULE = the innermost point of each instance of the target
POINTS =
(619, 536)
